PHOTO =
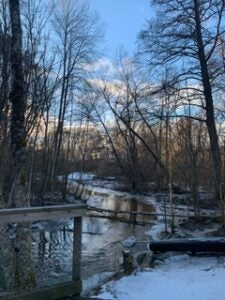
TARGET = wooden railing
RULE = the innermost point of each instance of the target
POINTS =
(32, 214)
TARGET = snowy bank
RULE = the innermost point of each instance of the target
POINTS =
(178, 277)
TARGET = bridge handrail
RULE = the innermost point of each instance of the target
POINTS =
(38, 213)
(32, 214)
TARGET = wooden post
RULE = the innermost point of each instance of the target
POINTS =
(32, 214)
(77, 234)
(127, 261)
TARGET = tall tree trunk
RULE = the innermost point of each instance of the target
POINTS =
(24, 275)
(210, 117)
(17, 97)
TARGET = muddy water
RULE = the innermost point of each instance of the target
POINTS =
(120, 206)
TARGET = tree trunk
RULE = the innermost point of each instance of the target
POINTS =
(210, 117)
(24, 275)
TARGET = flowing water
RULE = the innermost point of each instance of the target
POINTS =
(101, 248)
(52, 243)
(101, 242)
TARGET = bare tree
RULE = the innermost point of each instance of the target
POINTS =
(125, 101)
(188, 34)
(77, 34)
(24, 275)
(4, 96)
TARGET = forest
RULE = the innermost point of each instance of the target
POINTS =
(153, 121)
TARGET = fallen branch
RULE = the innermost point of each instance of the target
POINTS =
(216, 216)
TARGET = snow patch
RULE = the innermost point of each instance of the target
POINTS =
(175, 278)
(81, 176)
(129, 242)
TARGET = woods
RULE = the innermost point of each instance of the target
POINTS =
(190, 35)
(154, 120)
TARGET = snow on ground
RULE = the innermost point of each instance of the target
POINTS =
(173, 277)
(155, 230)
(81, 176)
(177, 277)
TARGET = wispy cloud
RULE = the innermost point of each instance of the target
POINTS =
(101, 65)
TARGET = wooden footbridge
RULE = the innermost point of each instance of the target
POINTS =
(32, 214)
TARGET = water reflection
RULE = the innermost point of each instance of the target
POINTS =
(124, 203)
(101, 247)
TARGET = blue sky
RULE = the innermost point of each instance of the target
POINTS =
(123, 20)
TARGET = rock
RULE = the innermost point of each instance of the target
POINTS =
(129, 242)
(143, 259)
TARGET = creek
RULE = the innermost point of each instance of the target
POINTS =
(101, 249)
(101, 242)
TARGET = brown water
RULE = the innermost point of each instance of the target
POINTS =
(121, 205)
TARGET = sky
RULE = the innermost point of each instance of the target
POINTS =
(123, 20)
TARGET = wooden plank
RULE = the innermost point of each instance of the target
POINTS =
(191, 245)
(77, 235)
(32, 214)
(49, 293)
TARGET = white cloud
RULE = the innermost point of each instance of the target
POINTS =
(101, 65)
